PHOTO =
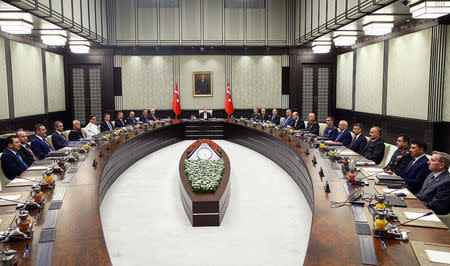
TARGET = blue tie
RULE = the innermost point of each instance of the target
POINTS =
(48, 145)
(20, 159)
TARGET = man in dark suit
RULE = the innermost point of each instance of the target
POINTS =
(12, 164)
(106, 125)
(359, 143)
(25, 151)
(330, 131)
(435, 192)
(297, 122)
(75, 134)
(264, 115)
(39, 144)
(152, 116)
(417, 169)
(131, 120)
(374, 149)
(401, 157)
(275, 118)
(144, 116)
(205, 115)
(312, 126)
(288, 121)
(119, 120)
(344, 137)
(58, 138)
(255, 116)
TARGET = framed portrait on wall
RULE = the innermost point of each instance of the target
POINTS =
(202, 83)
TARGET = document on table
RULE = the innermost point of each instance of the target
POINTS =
(22, 180)
(10, 197)
(438, 256)
(36, 168)
(413, 215)
(371, 169)
(404, 191)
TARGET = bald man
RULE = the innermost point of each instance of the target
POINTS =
(344, 136)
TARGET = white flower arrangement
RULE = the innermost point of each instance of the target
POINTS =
(204, 175)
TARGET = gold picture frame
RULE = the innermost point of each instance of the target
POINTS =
(202, 84)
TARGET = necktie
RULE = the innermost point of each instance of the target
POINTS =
(20, 159)
(48, 145)
(109, 126)
(295, 125)
(31, 152)
(353, 142)
(154, 118)
(409, 166)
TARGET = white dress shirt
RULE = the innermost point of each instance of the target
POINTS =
(91, 130)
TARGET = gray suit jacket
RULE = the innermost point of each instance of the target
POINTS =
(436, 194)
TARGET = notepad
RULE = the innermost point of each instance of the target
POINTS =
(371, 169)
(36, 168)
(21, 180)
(10, 197)
(413, 215)
(438, 256)
(396, 191)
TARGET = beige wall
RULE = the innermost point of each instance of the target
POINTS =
(190, 64)
(446, 109)
(256, 81)
(369, 78)
(54, 64)
(4, 108)
(344, 81)
(408, 75)
(27, 77)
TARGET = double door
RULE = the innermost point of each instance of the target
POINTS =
(316, 84)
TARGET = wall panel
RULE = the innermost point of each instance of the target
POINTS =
(277, 20)
(190, 20)
(408, 76)
(27, 77)
(125, 20)
(344, 81)
(234, 24)
(169, 23)
(369, 78)
(446, 109)
(147, 23)
(256, 81)
(256, 24)
(54, 65)
(4, 107)
(213, 20)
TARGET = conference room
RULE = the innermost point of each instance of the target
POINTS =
(225, 132)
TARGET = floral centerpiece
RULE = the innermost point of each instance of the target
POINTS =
(204, 175)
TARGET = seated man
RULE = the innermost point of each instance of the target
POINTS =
(297, 122)
(312, 126)
(119, 120)
(264, 115)
(255, 116)
(435, 192)
(344, 136)
(275, 118)
(106, 125)
(131, 120)
(144, 116)
(12, 164)
(331, 131)
(58, 138)
(359, 143)
(39, 144)
(75, 134)
(152, 116)
(374, 149)
(417, 169)
(401, 157)
(205, 115)
(92, 128)
(288, 121)
(25, 151)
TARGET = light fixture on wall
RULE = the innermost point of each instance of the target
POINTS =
(378, 28)
(54, 39)
(16, 26)
(344, 40)
(321, 47)
(79, 47)
(430, 9)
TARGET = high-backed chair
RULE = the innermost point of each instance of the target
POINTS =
(49, 140)
(3, 180)
(306, 123)
(386, 156)
(113, 123)
(83, 132)
(282, 119)
(66, 133)
(445, 219)
(137, 119)
(209, 111)
(353, 135)
(322, 127)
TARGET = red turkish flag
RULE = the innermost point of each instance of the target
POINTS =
(229, 102)
(176, 101)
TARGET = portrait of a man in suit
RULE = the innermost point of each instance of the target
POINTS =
(202, 83)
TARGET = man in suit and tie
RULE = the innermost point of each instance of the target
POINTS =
(312, 126)
(401, 157)
(264, 115)
(331, 131)
(119, 120)
(255, 116)
(25, 151)
(359, 143)
(435, 192)
(297, 122)
(58, 138)
(152, 116)
(374, 149)
(417, 169)
(131, 120)
(344, 137)
(275, 118)
(106, 125)
(12, 164)
(75, 134)
(288, 121)
(39, 144)
(144, 116)
(205, 115)
(92, 128)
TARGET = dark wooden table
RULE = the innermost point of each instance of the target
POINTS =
(333, 240)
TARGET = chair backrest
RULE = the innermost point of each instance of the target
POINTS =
(49, 140)
(137, 118)
(66, 133)
(83, 132)
(306, 123)
(209, 111)
(99, 130)
(445, 219)
(322, 127)
(113, 123)
(387, 155)
(353, 135)
(3, 180)
(282, 120)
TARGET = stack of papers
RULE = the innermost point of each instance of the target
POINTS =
(438, 256)
(10, 197)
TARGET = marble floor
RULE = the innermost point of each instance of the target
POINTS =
(267, 221)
